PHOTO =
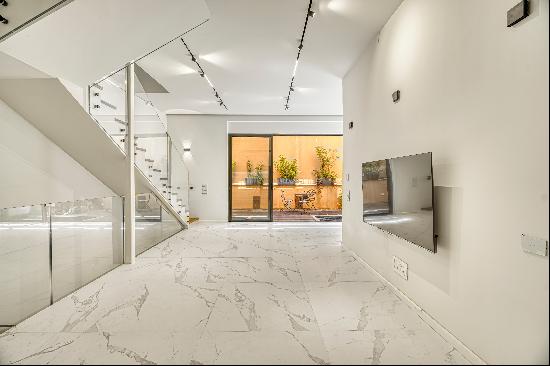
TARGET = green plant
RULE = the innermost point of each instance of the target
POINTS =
(233, 165)
(339, 200)
(249, 169)
(327, 158)
(259, 173)
(287, 169)
(373, 167)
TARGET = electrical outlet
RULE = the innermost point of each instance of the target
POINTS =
(401, 268)
(533, 245)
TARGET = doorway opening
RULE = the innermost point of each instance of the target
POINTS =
(285, 178)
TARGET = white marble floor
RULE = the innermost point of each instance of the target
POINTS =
(233, 294)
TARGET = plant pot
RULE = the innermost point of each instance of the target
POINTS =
(251, 181)
(325, 182)
(286, 182)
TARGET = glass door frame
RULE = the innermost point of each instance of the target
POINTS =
(230, 178)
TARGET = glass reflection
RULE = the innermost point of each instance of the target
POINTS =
(87, 241)
(398, 197)
(153, 223)
(24, 262)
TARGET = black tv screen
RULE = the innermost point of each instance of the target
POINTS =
(398, 198)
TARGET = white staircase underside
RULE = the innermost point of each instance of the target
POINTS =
(87, 39)
(49, 106)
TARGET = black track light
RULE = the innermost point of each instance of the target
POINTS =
(203, 75)
(310, 14)
(3, 2)
(3, 20)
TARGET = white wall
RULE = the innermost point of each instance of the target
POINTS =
(34, 170)
(208, 138)
(475, 93)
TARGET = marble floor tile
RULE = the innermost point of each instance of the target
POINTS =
(262, 306)
(333, 269)
(356, 306)
(228, 293)
(237, 270)
(316, 250)
(261, 348)
(99, 348)
(393, 347)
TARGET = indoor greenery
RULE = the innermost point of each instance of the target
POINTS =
(326, 173)
(372, 170)
(249, 168)
(287, 169)
(259, 173)
(254, 174)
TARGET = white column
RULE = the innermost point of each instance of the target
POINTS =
(130, 191)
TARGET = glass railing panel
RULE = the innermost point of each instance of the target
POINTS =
(169, 224)
(153, 223)
(87, 241)
(24, 262)
(179, 183)
(107, 100)
(152, 159)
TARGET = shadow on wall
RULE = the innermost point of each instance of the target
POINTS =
(448, 227)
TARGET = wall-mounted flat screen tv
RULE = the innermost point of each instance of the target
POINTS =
(398, 198)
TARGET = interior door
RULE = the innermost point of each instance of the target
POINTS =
(250, 178)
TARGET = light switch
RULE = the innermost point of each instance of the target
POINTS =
(533, 245)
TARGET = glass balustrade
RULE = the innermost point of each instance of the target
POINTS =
(24, 262)
(48, 251)
(179, 182)
(153, 223)
(87, 239)
(155, 153)
(107, 104)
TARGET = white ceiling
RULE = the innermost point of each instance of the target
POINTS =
(248, 50)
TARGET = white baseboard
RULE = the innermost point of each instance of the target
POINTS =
(470, 355)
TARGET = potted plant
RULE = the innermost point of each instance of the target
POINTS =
(233, 170)
(251, 179)
(326, 175)
(259, 174)
(287, 169)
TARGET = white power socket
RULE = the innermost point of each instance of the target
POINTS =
(401, 267)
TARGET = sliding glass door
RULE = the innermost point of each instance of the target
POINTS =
(250, 178)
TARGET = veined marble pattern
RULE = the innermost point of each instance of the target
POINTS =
(233, 294)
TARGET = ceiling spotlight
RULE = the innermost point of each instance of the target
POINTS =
(193, 58)
(3, 2)
(311, 13)
(291, 88)
(201, 73)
